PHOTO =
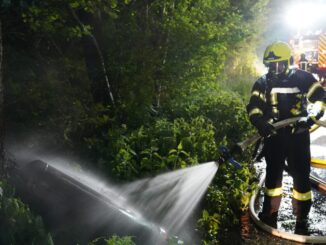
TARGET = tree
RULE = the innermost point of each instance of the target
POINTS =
(95, 62)
(2, 131)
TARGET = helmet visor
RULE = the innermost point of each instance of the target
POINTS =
(277, 67)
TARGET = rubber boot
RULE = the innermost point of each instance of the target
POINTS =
(269, 219)
(302, 226)
(301, 211)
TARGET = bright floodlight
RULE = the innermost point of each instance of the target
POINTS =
(305, 15)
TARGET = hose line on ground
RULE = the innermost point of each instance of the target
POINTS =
(276, 232)
(271, 230)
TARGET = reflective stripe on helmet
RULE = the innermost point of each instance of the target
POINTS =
(302, 196)
(274, 192)
(277, 51)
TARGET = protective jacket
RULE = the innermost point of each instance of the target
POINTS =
(277, 99)
(274, 100)
(303, 63)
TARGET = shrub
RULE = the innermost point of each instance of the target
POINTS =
(162, 146)
(114, 240)
(17, 224)
(227, 197)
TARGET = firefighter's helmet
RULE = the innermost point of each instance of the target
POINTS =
(277, 57)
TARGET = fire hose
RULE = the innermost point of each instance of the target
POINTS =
(226, 154)
(320, 183)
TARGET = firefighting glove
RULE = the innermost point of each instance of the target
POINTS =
(303, 124)
(315, 112)
(265, 129)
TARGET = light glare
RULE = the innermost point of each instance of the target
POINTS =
(305, 15)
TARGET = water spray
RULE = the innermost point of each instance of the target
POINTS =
(181, 189)
(55, 190)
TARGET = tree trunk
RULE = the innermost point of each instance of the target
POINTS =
(2, 159)
(95, 65)
(165, 44)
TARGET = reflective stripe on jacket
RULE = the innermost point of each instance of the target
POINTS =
(284, 97)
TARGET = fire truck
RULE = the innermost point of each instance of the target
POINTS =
(311, 48)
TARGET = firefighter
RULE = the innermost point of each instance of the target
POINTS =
(280, 94)
(303, 62)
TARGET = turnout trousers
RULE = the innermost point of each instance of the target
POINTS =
(295, 150)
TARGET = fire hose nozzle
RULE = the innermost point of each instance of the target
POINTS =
(225, 156)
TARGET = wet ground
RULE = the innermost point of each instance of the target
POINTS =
(286, 220)
(317, 216)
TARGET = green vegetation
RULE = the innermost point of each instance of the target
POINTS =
(115, 240)
(18, 225)
(136, 87)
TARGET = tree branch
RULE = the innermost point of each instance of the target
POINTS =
(99, 52)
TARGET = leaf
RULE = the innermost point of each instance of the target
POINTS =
(114, 4)
(205, 214)
(179, 146)
(183, 164)
(173, 151)
(185, 153)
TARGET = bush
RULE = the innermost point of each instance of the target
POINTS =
(17, 224)
(163, 145)
(225, 109)
(115, 240)
(227, 197)
(190, 133)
